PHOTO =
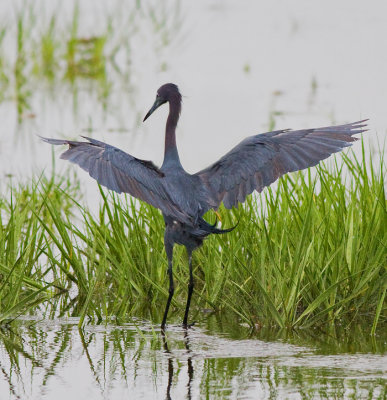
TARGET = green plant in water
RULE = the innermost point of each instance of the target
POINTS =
(308, 253)
(22, 93)
(85, 57)
(25, 279)
(48, 53)
(317, 256)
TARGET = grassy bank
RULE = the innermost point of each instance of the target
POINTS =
(310, 252)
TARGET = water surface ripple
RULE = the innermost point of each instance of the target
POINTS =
(55, 359)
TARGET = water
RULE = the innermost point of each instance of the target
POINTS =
(248, 68)
(244, 67)
(54, 359)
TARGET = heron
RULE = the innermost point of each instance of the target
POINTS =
(184, 198)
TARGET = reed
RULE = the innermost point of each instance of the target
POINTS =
(309, 252)
(306, 253)
(25, 277)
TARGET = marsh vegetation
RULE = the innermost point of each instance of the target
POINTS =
(307, 253)
(305, 267)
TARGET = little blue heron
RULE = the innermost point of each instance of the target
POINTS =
(183, 198)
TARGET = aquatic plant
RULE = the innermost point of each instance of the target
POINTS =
(25, 277)
(310, 252)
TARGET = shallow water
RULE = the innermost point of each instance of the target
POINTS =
(251, 66)
(54, 359)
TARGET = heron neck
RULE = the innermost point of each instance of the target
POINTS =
(171, 155)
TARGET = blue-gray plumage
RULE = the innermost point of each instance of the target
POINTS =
(184, 198)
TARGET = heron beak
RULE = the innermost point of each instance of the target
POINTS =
(156, 105)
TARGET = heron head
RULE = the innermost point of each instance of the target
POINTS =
(167, 92)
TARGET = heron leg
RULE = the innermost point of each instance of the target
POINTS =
(169, 251)
(190, 289)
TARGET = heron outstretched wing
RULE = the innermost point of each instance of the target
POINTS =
(259, 160)
(121, 172)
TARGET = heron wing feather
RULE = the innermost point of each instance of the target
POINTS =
(121, 172)
(260, 160)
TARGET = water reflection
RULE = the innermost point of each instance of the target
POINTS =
(40, 360)
(190, 368)
(89, 359)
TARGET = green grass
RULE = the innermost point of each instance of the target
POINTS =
(318, 256)
(25, 276)
(49, 51)
(308, 253)
(52, 48)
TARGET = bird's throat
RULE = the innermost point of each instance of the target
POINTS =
(171, 155)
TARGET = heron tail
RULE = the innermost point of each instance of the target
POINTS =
(205, 226)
